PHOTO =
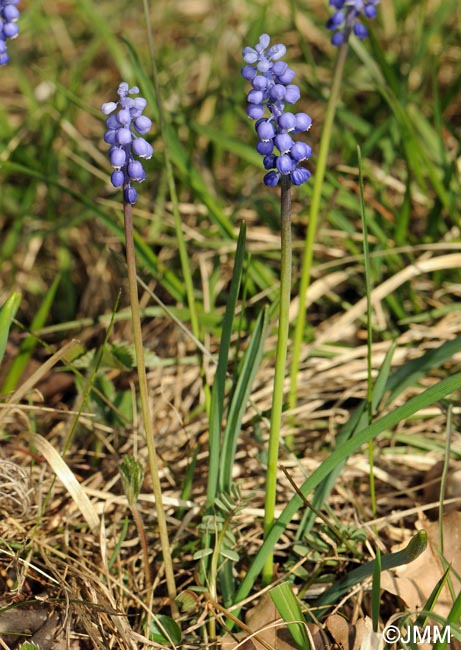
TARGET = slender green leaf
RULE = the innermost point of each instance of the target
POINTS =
(289, 608)
(217, 395)
(240, 396)
(7, 313)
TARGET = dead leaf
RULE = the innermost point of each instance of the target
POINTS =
(414, 582)
(353, 637)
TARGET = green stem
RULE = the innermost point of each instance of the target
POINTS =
(312, 227)
(145, 407)
(280, 368)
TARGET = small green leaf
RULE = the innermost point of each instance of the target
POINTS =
(164, 629)
(198, 555)
(229, 554)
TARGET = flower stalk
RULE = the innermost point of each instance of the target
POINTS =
(280, 367)
(145, 406)
(125, 126)
(272, 89)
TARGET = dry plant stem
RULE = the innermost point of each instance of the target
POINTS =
(145, 408)
(280, 369)
(312, 227)
(145, 551)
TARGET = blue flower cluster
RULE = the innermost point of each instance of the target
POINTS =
(9, 15)
(346, 18)
(272, 89)
(122, 132)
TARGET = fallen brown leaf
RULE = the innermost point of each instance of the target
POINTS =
(353, 637)
(414, 582)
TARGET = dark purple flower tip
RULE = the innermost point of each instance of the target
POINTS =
(4, 58)
(271, 179)
(112, 122)
(269, 161)
(130, 194)
(337, 39)
(370, 11)
(299, 175)
(360, 31)
(336, 20)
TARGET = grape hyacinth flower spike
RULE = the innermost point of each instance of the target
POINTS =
(345, 20)
(272, 90)
(125, 126)
(9, 15)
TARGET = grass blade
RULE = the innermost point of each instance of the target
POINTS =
(7, 313)
(249, 366)
(217, 396)
(289, 608)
